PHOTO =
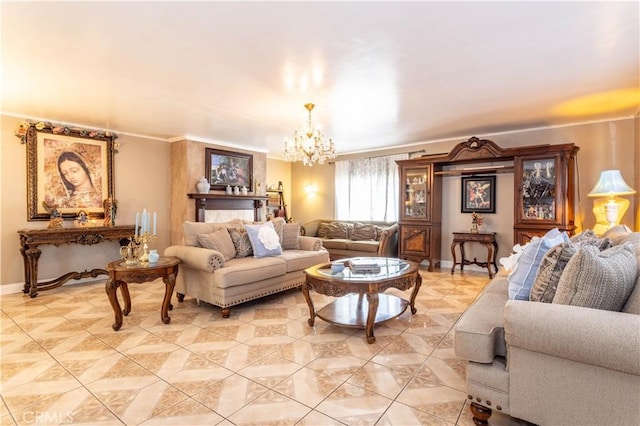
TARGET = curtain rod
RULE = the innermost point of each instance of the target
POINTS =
(410, 153)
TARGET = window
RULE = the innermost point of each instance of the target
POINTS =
(367, 188)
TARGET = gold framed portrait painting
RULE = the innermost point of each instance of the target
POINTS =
(70, 170)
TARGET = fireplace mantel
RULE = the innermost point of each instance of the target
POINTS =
(227, 202)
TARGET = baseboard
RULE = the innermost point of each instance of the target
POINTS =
(17, 287)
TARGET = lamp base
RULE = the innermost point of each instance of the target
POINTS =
(608, 213)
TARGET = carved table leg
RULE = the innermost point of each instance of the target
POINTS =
(372, 298)
(414, 293)
(462, 261)
(480, 414)
(111, 288)
(307, 297)
(170, 282)
(31, 271)
(489, 258)
(453, 255)
(124, 288)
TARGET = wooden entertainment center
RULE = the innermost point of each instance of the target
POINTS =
(544, 191)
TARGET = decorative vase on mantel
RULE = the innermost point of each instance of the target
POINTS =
(203, 185)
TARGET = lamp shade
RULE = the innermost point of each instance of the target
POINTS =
(610, 184)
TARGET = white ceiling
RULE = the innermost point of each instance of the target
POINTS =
(381, 73)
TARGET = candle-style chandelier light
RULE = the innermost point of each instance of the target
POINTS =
(308, 144)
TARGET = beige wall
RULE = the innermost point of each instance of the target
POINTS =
(602, 145)
(141, 178)
(146, 171)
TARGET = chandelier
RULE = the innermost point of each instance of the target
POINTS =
(308, 145)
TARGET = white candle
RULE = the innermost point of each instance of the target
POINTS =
(144, 221)
(136, 230)
(155, 219)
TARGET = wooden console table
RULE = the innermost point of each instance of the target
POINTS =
(487, 239)
(31, 239)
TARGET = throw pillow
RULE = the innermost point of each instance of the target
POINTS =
(600, 280)
(337, 230)
(191, 230)
(379, 232)
(555, 260)
(511, 262)
(323, 230)
(590, 237)
(362, 232)
(264, 240)
(278, 225)
(241, 242)
(219, 240)
(522, 277)
(290, 233)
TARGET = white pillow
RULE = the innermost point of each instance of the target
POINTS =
(522, 277)
(264, 240)
(511, 262)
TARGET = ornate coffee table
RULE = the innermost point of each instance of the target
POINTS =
(352, 309)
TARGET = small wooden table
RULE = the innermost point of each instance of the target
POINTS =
(487, 239)
(120, 274)
(351, 309)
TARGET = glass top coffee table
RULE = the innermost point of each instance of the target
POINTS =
(362, 276)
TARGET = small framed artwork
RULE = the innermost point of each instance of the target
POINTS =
(224, 168)
(68, 170)
(478, 194)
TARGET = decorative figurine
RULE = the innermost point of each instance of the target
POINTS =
(55, 220)
(476, 221)
(110, 208)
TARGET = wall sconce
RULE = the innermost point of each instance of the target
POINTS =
(610, 185)
(310, 188)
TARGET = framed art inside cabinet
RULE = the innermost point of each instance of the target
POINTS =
(478, 194)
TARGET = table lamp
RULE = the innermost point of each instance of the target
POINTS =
(611, 184)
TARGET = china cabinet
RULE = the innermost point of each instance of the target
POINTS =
(419, 218)
(544, 191)
(544, 188)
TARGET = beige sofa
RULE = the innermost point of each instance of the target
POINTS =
(550, 363)
(207, 276)
(350, 238)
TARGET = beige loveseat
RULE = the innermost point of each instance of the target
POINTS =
(345, 238)
(551, 363)
(228, 276)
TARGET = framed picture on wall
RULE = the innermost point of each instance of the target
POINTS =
(478, 194)
(224, 168)
(68, 169)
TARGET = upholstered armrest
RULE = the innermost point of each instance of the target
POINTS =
(310, 243)
(591, 336)
(389, 241)
(197, 257)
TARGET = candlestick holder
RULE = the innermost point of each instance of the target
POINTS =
(144, 240)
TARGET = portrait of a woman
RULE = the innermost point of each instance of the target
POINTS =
(76, 178)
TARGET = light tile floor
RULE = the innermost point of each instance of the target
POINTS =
(61, 362)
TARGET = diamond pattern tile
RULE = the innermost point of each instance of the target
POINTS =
(63, 363)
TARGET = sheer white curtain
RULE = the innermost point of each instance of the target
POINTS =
(367, 189)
